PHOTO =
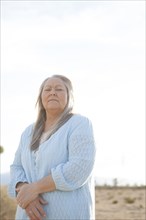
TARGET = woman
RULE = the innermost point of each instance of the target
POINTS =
(52, 172)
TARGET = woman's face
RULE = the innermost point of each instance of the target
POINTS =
(54, 95)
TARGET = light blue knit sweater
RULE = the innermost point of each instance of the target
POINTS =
(69, 156)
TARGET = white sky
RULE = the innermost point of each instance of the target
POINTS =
(100, 46)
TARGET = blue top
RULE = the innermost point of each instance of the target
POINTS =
(69, 156)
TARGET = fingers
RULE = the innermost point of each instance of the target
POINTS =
(40, 210)
(20, 203)
(34, 214)
(26, 194)
(42, 201)
(24, 202)
(23, 205)
(35, 209)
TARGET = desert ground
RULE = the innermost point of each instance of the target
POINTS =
(111, 203)
(120, 203)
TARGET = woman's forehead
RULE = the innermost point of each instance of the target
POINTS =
(54, 82)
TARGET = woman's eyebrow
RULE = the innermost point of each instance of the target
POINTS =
(55, 85)
(59, 85)
(49, 86)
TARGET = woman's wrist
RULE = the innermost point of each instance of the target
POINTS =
(46, 184)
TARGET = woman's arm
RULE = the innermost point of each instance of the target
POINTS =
(82, 151)
(28, 192)
(17, 173)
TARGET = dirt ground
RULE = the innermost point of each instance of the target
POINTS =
(120, 203)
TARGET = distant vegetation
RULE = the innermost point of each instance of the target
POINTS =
(1, 149)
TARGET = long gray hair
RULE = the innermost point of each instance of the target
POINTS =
(41, 118)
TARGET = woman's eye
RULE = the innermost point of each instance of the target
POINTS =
(59, 89)
(46, 90)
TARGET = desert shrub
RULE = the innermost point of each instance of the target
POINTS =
(1, 149)
(114, 201)
(129, 200)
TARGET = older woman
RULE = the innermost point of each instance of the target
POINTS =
(52, 172)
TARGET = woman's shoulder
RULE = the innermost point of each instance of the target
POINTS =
(80, 124)
(28, 130)
(80, 119)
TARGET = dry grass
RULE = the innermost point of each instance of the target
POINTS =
(112, 203)
(7, 205)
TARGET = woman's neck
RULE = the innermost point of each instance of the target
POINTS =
(50, 121)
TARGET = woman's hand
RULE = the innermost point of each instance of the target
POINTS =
(35, 210)
(26, 194)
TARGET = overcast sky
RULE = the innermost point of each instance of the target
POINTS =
(100, 46)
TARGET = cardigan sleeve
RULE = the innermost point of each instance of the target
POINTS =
(81, 147)
(17, 173)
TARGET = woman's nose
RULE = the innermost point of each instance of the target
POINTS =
(53, 92)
